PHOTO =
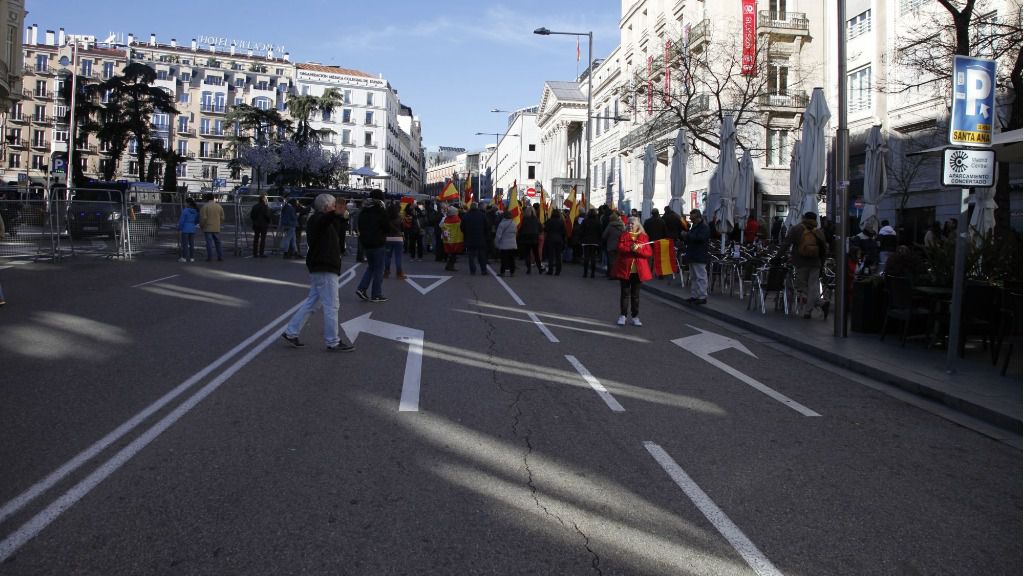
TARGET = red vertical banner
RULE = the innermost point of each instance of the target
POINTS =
(693, 200)
(667, 96)
(747, 64)
(650, 85)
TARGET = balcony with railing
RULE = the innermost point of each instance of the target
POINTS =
(184, 131)
(699, 33)
(213, 154)
(783, 23)
(20, 118)
(649, 131)
(213, 108)
(784, 100)
(17, 143)
(40, 143)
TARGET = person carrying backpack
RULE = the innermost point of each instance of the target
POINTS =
(808, 253)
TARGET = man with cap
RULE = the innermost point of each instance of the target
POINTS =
(808, 253)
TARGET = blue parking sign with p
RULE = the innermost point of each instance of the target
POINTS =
(974, 98)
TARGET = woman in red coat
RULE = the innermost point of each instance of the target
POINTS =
(632, 268)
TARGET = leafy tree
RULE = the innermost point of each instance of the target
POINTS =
(303, 107)
(86, 109)
(133, 101)
(258, 135)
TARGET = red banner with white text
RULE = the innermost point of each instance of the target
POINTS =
(747, 64)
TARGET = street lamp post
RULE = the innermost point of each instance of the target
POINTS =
(496, 135)
(590, 84)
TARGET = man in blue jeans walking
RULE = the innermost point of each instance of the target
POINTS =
(373, 231)
(324, 263)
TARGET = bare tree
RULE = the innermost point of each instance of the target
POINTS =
(968, 28)
(706, 84)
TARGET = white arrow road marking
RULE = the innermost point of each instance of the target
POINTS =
(705, 343)
(410, 401)
(726, 527)
(597, 386)
(438, 280)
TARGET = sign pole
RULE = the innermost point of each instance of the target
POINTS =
(959, 279)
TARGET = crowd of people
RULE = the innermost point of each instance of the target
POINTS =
(385, 234)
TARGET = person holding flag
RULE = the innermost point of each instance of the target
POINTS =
(632, 269)
(451, 232)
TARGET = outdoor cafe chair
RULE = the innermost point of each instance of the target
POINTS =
(901, 305)
(772, 277)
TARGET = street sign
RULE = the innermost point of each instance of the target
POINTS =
(968, 168)
(974, 99)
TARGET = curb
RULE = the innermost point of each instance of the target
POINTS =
(993, 417)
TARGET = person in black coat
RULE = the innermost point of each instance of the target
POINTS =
(261, 217)
(554, 241)
(475, 232)
(655, 226)
(373, 230)
(590, 240)
(323, 259)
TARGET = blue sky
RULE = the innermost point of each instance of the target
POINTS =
(452, 61)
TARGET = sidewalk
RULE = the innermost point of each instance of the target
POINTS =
(975, 389)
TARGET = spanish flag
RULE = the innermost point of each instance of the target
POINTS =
(451, 232)
(405, 203)
(665, 257)
(514, 207)
(574, 211)
(467, 193)
(543, 212)
(450, 192)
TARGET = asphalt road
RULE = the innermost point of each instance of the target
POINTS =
(153, 422)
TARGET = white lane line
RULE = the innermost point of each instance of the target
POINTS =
(157, 280)
(71, 465)
(511, 292)
(543, 328)
(43, 519)
(753, 557)
(600, 389)
(19, 502)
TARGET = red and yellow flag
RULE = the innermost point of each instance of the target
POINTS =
(543, 212)
(574, 211)
(405, 203)
(450, 192)
(665, 257)
(451, 233)
(513, 205)
(467, 190)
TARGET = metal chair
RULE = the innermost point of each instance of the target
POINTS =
(901, 305)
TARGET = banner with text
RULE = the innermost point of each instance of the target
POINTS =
(747, 64)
